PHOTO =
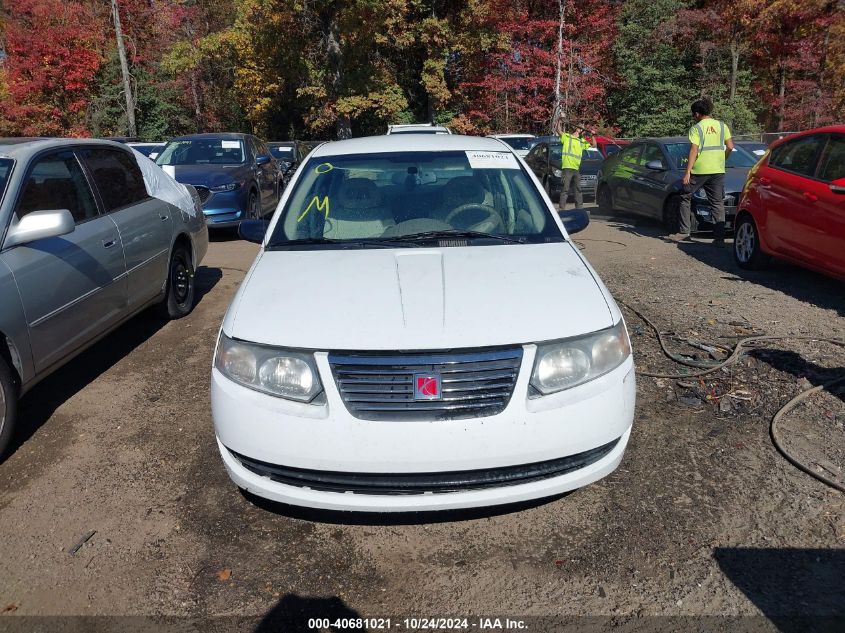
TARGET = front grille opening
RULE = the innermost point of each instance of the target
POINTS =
(204, 193)
(422, 483)
(381, 386)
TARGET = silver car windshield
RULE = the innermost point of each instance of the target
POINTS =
(400, 196)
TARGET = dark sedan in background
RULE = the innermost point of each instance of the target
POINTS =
(235, 175)
(544, 159)
(646, 178)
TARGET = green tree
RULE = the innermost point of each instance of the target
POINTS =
(657, 80)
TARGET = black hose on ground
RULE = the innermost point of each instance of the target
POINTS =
(735, 355)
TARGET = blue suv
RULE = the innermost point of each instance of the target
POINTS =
(235, 175)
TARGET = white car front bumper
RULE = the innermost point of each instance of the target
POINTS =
(261, 437)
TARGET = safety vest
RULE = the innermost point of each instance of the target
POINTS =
(572, 149)
(710, 136)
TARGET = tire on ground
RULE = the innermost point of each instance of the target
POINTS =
(746, 248)
(604, 199)
(180, 290)
(8, 406)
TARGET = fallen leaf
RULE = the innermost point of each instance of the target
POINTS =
(224, 574)
(10, 607)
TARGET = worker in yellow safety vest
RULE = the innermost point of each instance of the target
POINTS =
(573, 144)
(710, 146)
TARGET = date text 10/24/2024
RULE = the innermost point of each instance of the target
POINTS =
(417, 624)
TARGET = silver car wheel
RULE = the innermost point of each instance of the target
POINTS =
(744, 242)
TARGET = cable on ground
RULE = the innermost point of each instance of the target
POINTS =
(735, 355)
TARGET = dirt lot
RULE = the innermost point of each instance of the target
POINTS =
(702, 517)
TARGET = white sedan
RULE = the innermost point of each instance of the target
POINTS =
(418, 332)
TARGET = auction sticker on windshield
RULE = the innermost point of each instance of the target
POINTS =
(492, 160)
(230, 144)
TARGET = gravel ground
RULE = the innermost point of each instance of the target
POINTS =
(703, 517)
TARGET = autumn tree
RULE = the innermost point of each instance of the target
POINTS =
(52, 56)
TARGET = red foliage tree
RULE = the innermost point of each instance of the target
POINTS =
(54, 52)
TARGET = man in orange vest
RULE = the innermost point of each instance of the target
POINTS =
(710, 146)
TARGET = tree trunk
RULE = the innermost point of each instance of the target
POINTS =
(132, 131)
(734, 66)
(820, 79)
(781, 96)
(343, 125)
(556, 113)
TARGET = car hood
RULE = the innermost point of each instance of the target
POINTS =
(418, 298)
(207, 175)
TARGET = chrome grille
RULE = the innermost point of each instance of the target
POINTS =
(203, 192)
(381, 386)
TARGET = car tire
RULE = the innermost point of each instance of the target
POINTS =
(604, 199)
(747, 252)
(180, 290)
(8, 406)
(254, 208)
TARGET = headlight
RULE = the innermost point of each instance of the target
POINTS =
(557, 173)
(700, 195)
(228, 187)
(565, 364)
(278, 372)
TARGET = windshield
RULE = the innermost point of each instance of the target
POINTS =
(282, 153)
(5, 170)
(518, 143)
(401, 195)
(205, 151)
(738, 158)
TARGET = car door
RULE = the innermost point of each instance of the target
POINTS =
(72, 287)
(826, 193)
(648, 186)
(145, 224)
(266, 174)
(791, 214)
(621, 177)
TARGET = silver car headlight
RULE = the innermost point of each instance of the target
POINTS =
(272, 370)
(557, 173)
(700, 195)
(565, 364)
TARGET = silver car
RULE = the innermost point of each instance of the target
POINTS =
(83, 247)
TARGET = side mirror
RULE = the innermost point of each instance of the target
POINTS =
(253, 230)
(575, 221)
(838, 186)
(40, 225)
(263, 159)
(656, 165)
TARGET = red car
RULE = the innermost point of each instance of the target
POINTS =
(607, 145)
(793, 204)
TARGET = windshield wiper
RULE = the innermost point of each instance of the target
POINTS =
(458, 234)
(324, 241)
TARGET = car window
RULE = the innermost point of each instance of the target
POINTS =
(117, 176)
(205, 151)
(58, 182)
(518, 142)
(798, 156)
(630, 154)
(650, 152)
(832, 163)
(5, 170)
(388, 195)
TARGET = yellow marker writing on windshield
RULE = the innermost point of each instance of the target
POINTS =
(315, 202)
